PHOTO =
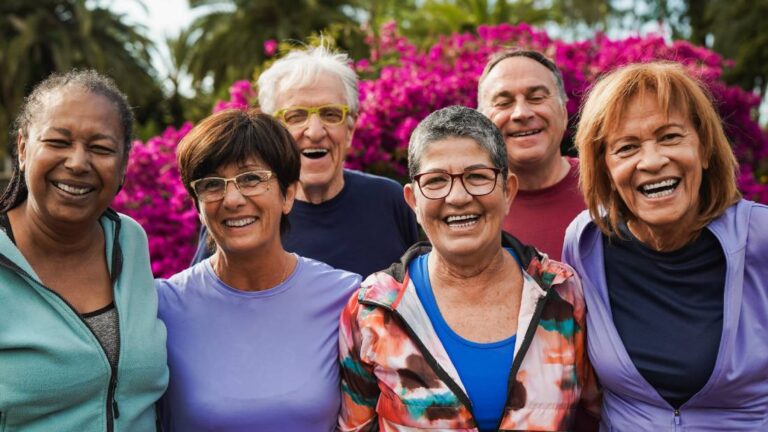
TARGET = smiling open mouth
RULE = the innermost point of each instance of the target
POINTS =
(73, 190)
(314, 153)
(525, 133)
(237, 223)
(659, 189)
(462, 221)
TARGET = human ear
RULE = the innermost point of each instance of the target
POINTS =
(21, 147)
(350, 134)
(410, 198)
(510, 191)
(290, 196)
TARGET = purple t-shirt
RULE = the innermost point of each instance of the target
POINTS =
(247, 361)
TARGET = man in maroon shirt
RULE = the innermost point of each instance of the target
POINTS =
(522, 92)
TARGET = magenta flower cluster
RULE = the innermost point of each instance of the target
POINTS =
(402, 84)
(154, 195)
(241, 96)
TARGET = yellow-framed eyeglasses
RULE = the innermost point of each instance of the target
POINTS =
(298, 116)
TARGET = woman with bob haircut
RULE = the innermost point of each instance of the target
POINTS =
(252, 330)
(81, 348)
(673, 261)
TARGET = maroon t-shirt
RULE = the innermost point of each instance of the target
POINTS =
(540, 217)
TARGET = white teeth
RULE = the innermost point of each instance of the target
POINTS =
(314, 151)
(665, 192)
(239, 222)
(462, 221)
(525, 133)
(659, 189)
(72, 189)
(456, 218)
(663, 183)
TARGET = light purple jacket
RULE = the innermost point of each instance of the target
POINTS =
(735, 398)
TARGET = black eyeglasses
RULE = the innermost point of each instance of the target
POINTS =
(476, 181)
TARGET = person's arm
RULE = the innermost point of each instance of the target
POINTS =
(359, 388)
(590, 403)
(588, 410)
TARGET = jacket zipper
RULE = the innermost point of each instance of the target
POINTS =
(112, 411)
(460, 394)
(676, 412)
(518, 360)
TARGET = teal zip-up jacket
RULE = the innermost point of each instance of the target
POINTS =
(54, 374)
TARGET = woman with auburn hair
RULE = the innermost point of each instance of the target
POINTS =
(252, 330)
(674, 263)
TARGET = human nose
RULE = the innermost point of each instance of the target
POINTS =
(232, 196)
(458, 194)
(315, 129)
(652, 157)
(521, 111)
(78, 159)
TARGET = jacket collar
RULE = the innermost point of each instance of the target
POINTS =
(386, 288)
(11, 257)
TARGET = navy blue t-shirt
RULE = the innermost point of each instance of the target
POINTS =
(363, 229)
(668, 310)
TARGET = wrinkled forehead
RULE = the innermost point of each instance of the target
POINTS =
(73, 98)
(456, 149)
(310, 88)
(71, 107)
(517, 75)
(671, 103)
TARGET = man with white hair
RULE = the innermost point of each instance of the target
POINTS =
(522, 92)
(351, 220)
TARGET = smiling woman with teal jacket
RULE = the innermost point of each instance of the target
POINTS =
(81, 348)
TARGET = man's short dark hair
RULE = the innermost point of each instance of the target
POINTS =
(531, 54)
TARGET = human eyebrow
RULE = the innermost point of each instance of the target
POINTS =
(504, 94)
(538, 88)
(100, 136)
(252, 167)
(66, 132)
(475, 166)
(664, 127)
(613, 142)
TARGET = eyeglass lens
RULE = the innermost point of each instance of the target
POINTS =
(248, 183)
(477, 182)
(329, 114)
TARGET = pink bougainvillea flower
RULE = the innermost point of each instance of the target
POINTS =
(270, 47)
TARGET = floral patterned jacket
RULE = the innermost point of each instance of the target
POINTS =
(397, 376)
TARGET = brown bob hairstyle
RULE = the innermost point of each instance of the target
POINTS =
(675, 91)
(232, 136)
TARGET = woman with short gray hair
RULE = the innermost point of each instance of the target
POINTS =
(471, 330)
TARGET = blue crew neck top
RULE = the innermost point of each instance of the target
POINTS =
(483, 367)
